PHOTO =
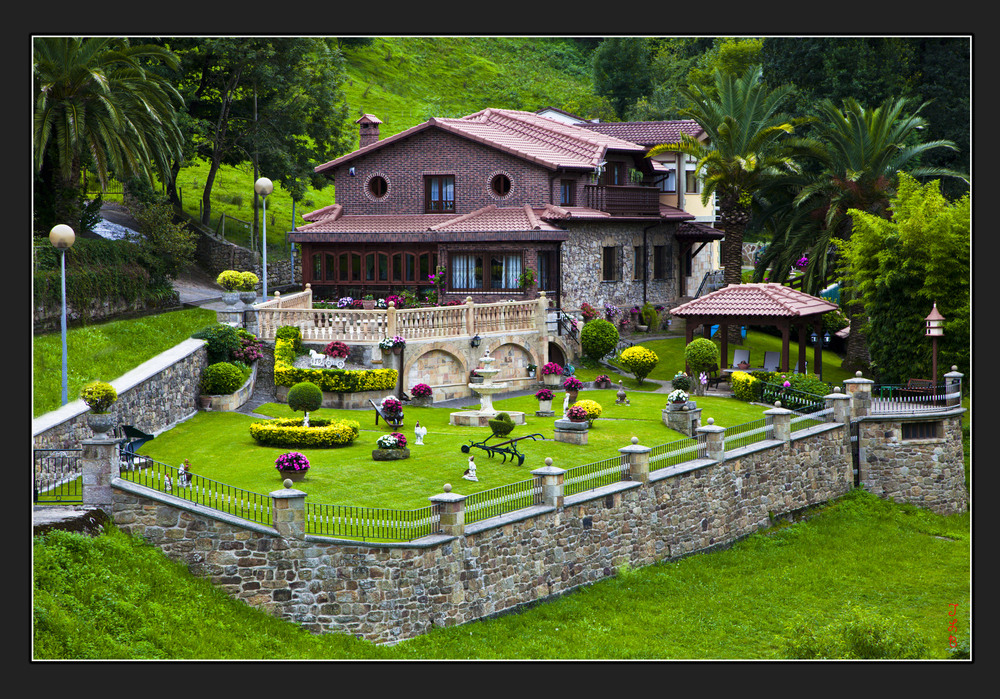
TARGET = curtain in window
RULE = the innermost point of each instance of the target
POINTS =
(463, 272)
(504, 271)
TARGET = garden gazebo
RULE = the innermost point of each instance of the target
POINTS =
(758, 304)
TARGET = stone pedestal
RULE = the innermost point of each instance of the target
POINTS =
(684, 421)
(571, 432)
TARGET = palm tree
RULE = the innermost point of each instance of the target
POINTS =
(744, 150)
(857, 155)
(98, 103)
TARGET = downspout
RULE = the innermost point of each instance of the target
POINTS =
(645, 260)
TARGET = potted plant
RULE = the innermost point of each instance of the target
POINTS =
(544, 397)
(368, 302)
(677, 399)
(572, 386)
(391, 447)
(602, 381)
(593, 409)
(681, 381)
(422, 395)
(474, 377)
(398, 343)
(99, 397)
(532, 368)
(588, 312)
(526, 279)
(248, 287)
(345, 302)
(551, 373)
(577, 414)
(292, 466)
(392, 409)
(231, 281)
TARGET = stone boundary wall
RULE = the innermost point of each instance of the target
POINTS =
(215, 255)
(153, 397)
(387, 593)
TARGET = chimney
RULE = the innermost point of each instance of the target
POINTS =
(369, 129)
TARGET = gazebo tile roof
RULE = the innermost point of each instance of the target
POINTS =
(761, 300)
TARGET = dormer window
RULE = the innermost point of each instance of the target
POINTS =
(439, 194)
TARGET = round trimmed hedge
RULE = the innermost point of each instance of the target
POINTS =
(221, 378)
(598, 338)
(305, 396)
(640, 361)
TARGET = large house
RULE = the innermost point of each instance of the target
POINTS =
(494, 194)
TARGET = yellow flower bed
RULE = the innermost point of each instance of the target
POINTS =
(330, 380)
(289, 432)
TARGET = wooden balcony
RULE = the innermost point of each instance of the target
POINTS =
(623, 200)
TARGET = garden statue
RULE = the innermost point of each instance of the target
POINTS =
(420, 432)
(565, 406)
(470, 473)
(184, 474)
(622, 398)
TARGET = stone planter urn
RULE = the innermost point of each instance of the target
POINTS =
(642, 328)
(545, 406)
(205, 401)
(248, 297)
(368, 304)
(100, 423)
(422, 401)
(390, 454)
(551, 379)
(231, 298)
(293, 475)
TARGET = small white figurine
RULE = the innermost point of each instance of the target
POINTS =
(470, 473)
(167, 484)
(316, 358)
(420, 432)
(565, 405)
(184, 474)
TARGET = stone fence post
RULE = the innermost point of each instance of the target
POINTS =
(715, 440)
(289, 511)
(638, 461)
(100, 464)
(551, 478)
(841, 406)
(470, 316)
(452, 509)
(781, 421)
(860, 391)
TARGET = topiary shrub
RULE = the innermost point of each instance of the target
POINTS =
(745, 387)
(598, 338)
(501, 425)
(221, 378)
(650, 316)
(99, 396)
(701, 354)
(305, 396)
(639, 360)
(291, 333)
(292, 432)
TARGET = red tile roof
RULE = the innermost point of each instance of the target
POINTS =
(490, 218)
(762, 300)
(545, 141)
(647, 133)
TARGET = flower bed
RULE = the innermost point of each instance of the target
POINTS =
(286, 374)
(290, 432)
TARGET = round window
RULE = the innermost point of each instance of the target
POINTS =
(378, 186)
(500, 184)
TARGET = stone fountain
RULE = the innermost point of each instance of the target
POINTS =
(486, 389)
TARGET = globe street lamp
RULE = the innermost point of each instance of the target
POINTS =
(263, 187)
(62, 237)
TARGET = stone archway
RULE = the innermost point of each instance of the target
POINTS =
(556, 354)
(512, 360)
(445, 372)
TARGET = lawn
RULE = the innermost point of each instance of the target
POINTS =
(105, 351)
(219, 446)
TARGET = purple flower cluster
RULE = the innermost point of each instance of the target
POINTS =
(421, 390)
(291, 461)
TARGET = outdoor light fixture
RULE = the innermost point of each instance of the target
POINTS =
(62, 237)
(475, 341)
(934, 328)
(263, 187)
(812, 338)
(826, 339)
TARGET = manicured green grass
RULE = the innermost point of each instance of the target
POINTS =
(105, 351)
(219, 446)
(112, 596)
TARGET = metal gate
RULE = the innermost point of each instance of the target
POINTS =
(855, 453)
(58, 476)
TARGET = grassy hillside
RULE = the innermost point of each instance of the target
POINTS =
(404, 81)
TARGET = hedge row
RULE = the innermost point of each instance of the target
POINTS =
(289, 432)
(330, 380)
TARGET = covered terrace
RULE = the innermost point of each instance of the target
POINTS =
(759, 304)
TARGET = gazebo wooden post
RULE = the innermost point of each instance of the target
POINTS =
(724, 350)
(785, 338)
(689, 327)
(818, 348)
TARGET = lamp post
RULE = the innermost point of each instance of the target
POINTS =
(62, 237)
(934, 328)
(263, 187)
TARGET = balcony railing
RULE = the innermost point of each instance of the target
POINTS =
(623, 200)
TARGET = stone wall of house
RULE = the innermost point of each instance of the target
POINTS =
(582, 272)
(152, 397)
(928, 472)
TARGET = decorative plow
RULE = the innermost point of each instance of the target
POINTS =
(505, 448)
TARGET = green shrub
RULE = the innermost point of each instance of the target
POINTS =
(701, 354)
(221, 340)
(681, 381)
(639, 360)
(331, 380)
(650, 316)
(221, 378)
(305, 396)
(290, 332)
(592, 407)
(598, 338)
(99, 396)
(501, 425)
(290, 432)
